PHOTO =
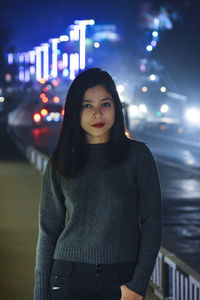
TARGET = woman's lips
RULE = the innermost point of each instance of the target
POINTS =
(98, 125)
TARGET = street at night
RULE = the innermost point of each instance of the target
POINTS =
(151, 50)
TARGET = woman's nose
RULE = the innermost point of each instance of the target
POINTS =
(97, 111)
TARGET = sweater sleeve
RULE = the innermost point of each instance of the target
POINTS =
(52, 212)
(150, 220)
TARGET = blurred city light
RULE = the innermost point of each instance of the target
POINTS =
(96, 45)
(21, 58)
(133, 111)
(65, 60)
(158, 113)
(193, 115)
(64, 38)
(10, 58)
(38, 63)
(42, 80)
(149, 48)
(163, 89)
(44, 112)
(37, 118)
(153, 43)
(45, 49)
(144, 89)
(65, 72)
(8, 77)
(152, 77)
(120, 88)
(42, 95)
(2, 99)
(56, 99)
(164, 108)
(32, 70)
(143, 108)
(32, 56)
(155, 33)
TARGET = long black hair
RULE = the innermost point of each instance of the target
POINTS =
(71, 152)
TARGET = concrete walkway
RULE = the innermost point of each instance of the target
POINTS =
(20, 187)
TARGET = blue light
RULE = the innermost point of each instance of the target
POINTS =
(10, 58)
(65, 72)
(58, 51)
(158, 113)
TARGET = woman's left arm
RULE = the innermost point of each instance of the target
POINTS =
(150, 220)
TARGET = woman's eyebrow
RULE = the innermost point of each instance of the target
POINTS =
(104, 99)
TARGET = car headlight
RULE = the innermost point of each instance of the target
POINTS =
(193, 115)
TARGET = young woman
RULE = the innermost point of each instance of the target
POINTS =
(100, 225)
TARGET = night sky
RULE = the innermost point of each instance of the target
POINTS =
(34, 22)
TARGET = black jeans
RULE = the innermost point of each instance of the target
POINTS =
(82, 281)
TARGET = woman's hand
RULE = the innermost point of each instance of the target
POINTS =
(128, 294)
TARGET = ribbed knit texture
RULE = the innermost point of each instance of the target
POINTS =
(104, 216)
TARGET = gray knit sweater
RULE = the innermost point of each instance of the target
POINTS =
(104, 216)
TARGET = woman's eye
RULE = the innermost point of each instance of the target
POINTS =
(106, 104)
(85, 105)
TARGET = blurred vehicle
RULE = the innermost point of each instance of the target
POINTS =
(49, 113)
(35, 113)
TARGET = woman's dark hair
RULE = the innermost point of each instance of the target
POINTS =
(71, 152)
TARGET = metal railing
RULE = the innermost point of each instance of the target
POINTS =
(172, 279)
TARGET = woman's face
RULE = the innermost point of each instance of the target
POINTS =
(97, 109)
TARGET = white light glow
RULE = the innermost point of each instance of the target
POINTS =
(86, 22)
(96, 45)
(152, 77)
(27, 75)
(2, 99)
(144, 89)
(21, 74)
(32, 56)
(38, 63)
(193, 115)
(21, 58)
(133, 111)
(163, 89)
(72, 65)
(65, 72)
(120, 88)
(143, 108)
(82, 46)
(54, 71)
(32, 70)
(27, 57)
(155, 33)
(65, 60)
(10, 58)
(45, 48)
(149, 48)
(64, 38)
(164, 108)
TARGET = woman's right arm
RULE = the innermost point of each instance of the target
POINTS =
(51, 223)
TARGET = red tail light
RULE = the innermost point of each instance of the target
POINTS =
(37, 118)
(62, 111)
